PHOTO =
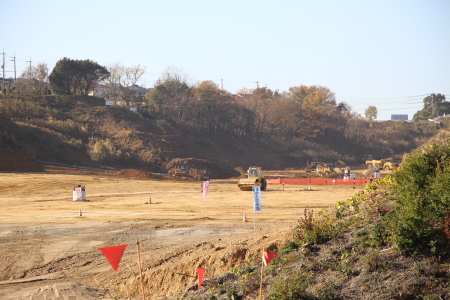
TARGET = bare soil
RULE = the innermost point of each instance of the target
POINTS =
(49, 250)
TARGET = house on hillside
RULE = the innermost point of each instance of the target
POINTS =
(138, 90)
(102, 90)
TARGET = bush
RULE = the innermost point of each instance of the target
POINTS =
(417, 222)
(319, 228)
(291, 288)
(288, 247)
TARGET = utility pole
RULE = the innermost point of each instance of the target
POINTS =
(3, 68)
(14, 60)
(257, 84)
(221, 86)
(29, 75)
(433, 106)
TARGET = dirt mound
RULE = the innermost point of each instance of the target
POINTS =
(241, 170)
(64, 291)
(211, 169)
(77, 171)
(137, 174)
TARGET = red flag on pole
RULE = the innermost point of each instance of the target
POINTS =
(267, 257)
(113, 255)
(200, 272)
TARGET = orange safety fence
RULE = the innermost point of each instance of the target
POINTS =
(319, 181)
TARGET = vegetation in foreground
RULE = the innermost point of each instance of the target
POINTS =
(389, 241)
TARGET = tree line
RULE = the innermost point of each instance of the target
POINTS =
(303, 113)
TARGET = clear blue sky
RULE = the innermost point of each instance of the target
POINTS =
(383, 53)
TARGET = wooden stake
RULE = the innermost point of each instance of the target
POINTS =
(140, 270)
(262, 270)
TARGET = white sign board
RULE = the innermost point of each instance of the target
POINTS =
(256, 198)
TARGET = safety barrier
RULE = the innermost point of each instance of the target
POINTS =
(320, 181)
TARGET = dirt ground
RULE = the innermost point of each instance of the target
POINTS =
(49, 251)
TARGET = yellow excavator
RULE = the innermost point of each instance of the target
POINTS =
(254, 178)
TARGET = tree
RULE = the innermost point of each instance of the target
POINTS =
(317, 96)
(434, 105)
(76, 77)
(33, 81)
(318, 111)
(431, 100)
(260, 101)
(171, 96)
(122, 80)
(211, 107)
(371, 113)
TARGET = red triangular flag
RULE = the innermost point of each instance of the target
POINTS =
(267, 257)
(113, 255)
(200, 272)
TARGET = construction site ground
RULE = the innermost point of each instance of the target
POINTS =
(50, 243)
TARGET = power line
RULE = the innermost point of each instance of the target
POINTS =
(398, 108)
(387, 99)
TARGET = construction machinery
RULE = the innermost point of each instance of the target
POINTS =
(187, 171)
(324, 169)
(390, 164)
(337, 167)
(254, 178)
(385, 163)
(312, 166)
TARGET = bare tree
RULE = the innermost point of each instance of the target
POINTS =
(33, 81)
(123, 81)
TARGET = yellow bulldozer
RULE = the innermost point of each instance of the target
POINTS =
(189, 172)
(254, 178)
(385, 163)
(337, 167)
(324, 169)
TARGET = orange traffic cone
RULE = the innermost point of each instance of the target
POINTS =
(80, 213)
(245, 218)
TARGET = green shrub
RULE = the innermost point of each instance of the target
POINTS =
(316, 230)
(293, 287)
(422, 202)
(288, 247)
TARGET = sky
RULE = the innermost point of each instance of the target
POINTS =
(384, 53)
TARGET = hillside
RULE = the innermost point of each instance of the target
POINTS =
(86, 129)
(367, 247)
(81, 130)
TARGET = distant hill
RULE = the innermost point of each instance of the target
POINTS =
(82, 130)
